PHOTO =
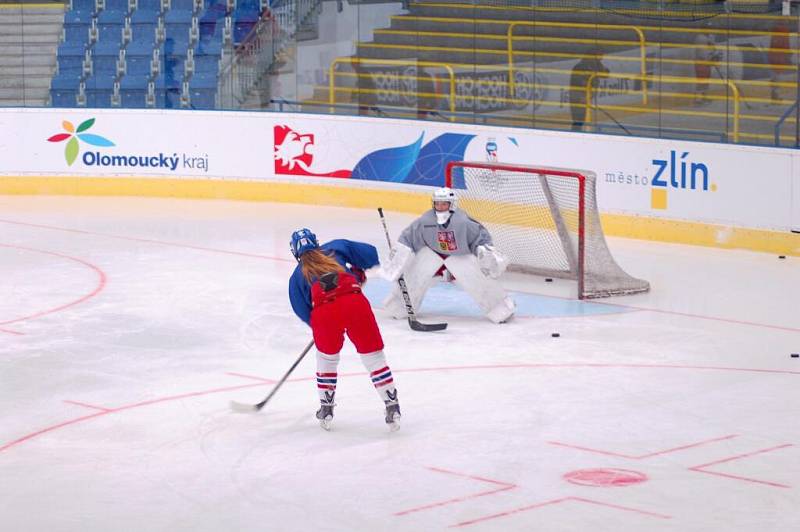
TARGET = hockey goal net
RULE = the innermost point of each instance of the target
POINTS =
(545, 220)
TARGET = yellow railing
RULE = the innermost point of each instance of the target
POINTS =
(667, 79)
(390, 62)
(510, 47)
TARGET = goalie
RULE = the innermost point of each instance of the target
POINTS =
(445, 242)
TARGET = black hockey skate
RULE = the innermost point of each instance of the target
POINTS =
(393, 414)
(325, 412)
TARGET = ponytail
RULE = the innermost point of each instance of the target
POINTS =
(315, 263)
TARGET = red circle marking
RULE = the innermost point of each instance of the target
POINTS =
(101, 283)
(605, 477)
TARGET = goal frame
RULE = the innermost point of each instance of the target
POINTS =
(576, 258)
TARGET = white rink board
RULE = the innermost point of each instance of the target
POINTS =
(747, 186)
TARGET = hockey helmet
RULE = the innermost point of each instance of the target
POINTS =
(444, 195)
(302, 241)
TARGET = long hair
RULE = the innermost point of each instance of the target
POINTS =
(315, 263)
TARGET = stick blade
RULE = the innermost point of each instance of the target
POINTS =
(426, 327)
(244, 408)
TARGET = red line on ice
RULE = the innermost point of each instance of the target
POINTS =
(701, 468)
(642, 456)
(101, 283)
(505, 486)
(28, 437)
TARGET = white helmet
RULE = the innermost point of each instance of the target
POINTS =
(444, 194)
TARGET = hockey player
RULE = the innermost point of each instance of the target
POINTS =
(325, 292)
(445, 241)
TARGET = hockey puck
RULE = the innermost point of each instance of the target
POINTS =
(556, 335)
(781, 256)
(548, 280)
(795, 355)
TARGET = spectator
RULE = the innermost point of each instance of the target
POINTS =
(581, 72)
(779, 56)
(706, 55)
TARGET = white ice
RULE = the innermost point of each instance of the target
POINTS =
(128, 325)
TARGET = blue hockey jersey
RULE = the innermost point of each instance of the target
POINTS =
(347, 253)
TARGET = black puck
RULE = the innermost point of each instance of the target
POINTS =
(781, 256)
(556, 335)
(548, 280)
(795, 355)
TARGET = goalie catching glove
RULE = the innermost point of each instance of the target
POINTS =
(399, 258)
(492, 262)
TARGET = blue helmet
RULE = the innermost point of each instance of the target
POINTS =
(302, 241)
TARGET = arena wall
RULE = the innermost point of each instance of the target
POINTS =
(707, 194)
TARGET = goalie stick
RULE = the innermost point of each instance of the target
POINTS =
(412, 317)
(245, 407)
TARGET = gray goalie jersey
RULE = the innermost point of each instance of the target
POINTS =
(459, 236)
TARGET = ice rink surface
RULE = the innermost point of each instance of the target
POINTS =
(128, 325)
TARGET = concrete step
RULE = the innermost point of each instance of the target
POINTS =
(30, 28)
(640, 17)
(37, 93)
(27, 70)
(14, 49)
(28, 82)
(28, 60)
(665, 35)
(36, 38)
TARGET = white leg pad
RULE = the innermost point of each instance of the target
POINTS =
(488, 293)
(419, 277)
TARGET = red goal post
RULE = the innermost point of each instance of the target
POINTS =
(545, 220)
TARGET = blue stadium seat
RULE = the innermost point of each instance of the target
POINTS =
(150, 5)
(167, 92)
(104, 58)
(183, 5)
(70, 55)
(117, 5)
(110, 24)
(178, 23)
(138, 56)
(99, 89)
(64, 89)
(76, 26)
(133, 91)
(245, 17)
(206, 64)
(86, 6)
(203, 91)
(144, 23)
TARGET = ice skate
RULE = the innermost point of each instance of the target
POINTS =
(325, 412)
(393, 415)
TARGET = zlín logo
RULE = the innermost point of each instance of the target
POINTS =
(72, 135)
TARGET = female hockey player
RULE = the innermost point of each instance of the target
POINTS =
(325, 292)
(444, 241)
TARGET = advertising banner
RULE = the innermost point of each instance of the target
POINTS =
(702, 182)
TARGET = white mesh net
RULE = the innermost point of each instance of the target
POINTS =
(533, 214)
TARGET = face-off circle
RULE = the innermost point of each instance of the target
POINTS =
(605, 477)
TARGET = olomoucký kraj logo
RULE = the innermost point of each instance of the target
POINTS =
(73, 146)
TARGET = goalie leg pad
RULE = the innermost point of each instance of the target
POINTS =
(488, 293)
(419, 278)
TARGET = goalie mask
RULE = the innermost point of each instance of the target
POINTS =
(302, 241)
(440, 196)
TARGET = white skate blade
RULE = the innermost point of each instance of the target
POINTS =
(326, 423)
(394, 426)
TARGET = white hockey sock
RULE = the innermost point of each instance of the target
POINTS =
(381, 375)
(327, 375)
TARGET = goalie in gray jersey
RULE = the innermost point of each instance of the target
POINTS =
(445, 242)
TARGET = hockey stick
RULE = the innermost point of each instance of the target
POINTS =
(412, 317)
(245, 407)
